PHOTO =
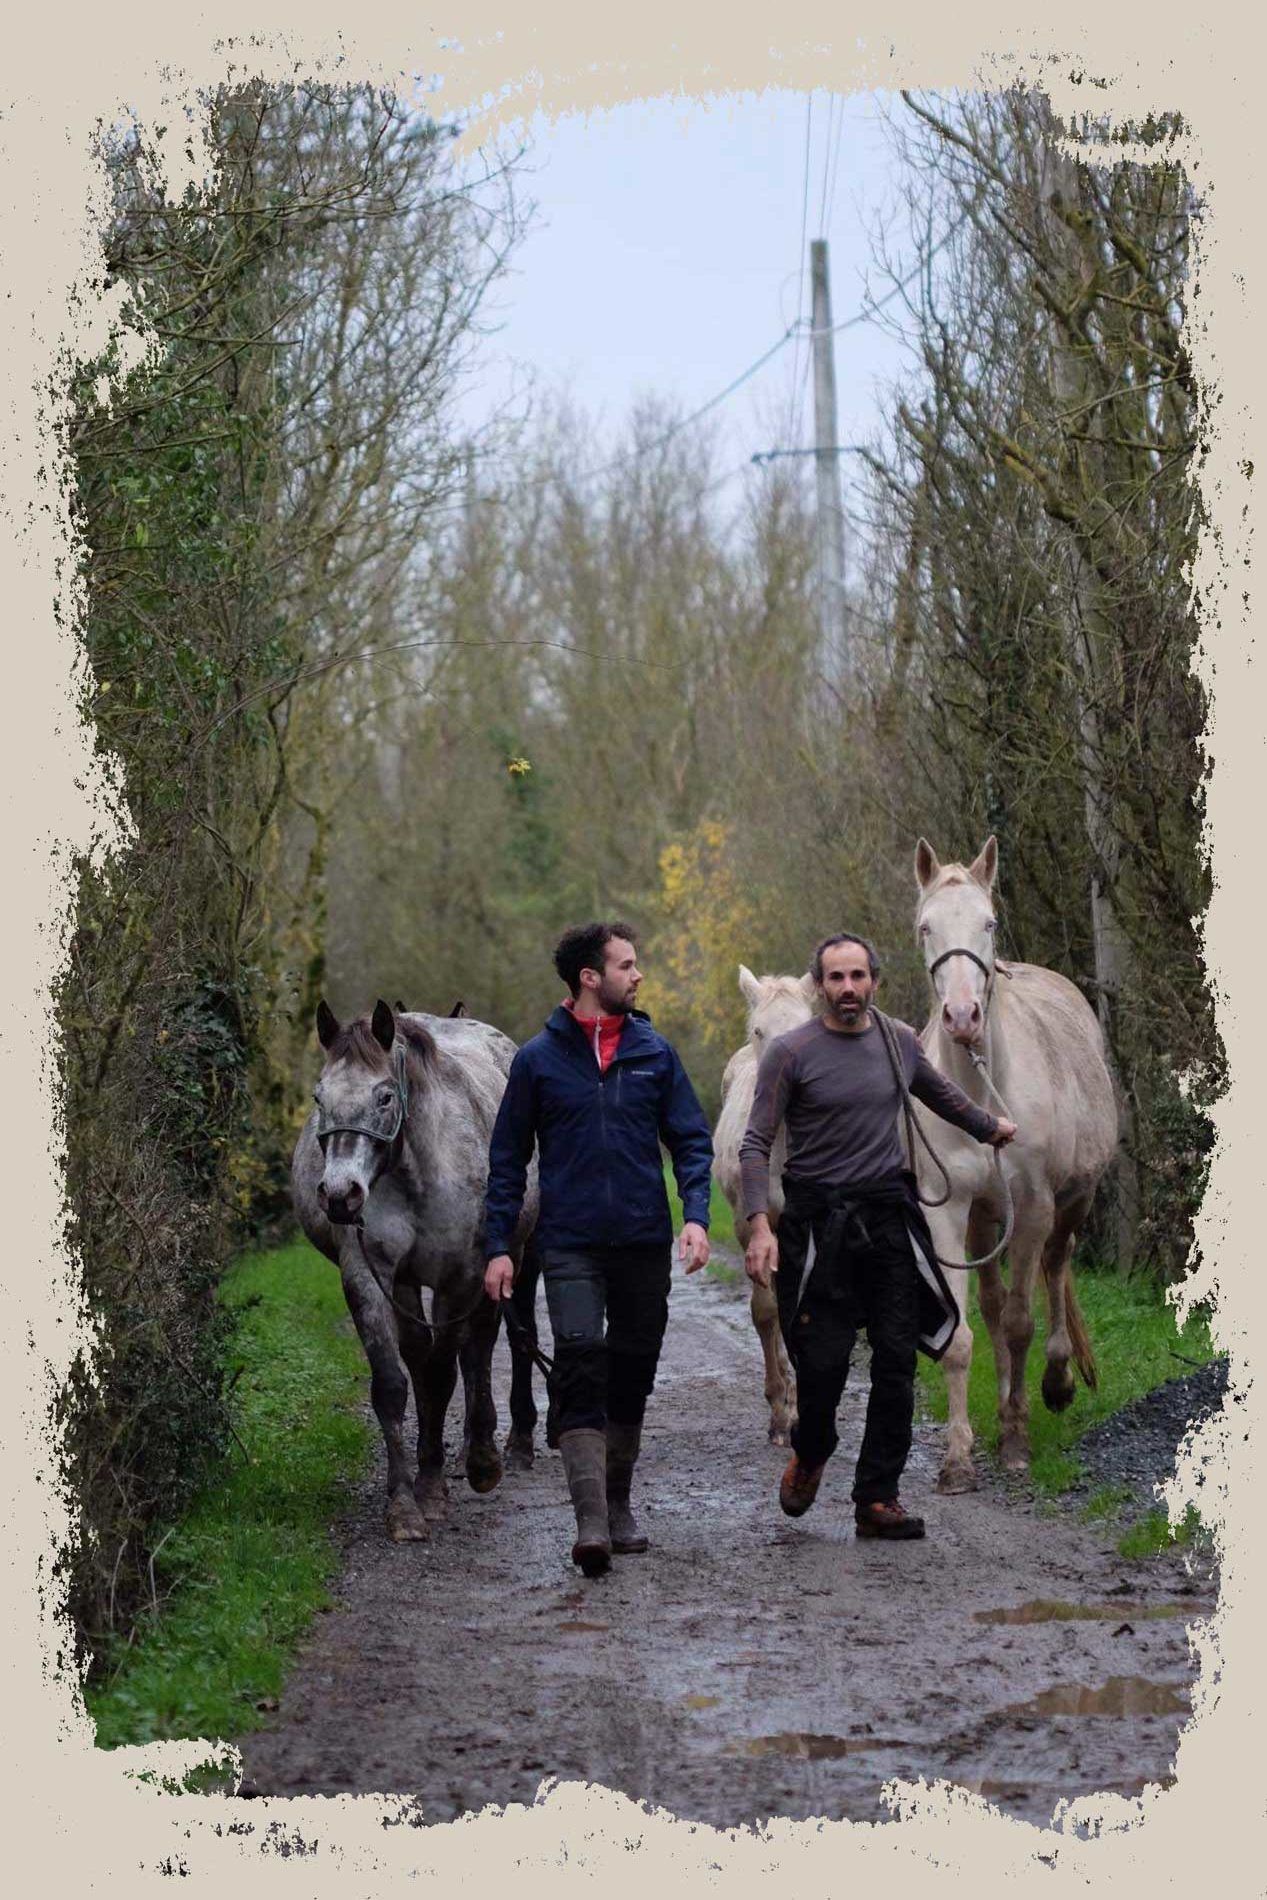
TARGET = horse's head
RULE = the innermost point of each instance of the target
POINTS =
(362, 1101)
(775, 1004)
(955, 926)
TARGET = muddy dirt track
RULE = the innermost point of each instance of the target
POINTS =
(747, 1666)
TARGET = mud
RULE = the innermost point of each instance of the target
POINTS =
(746, 1666)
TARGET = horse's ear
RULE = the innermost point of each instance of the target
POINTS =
(383, 1023)
(749, 984)
(809, 988)
(327, 1024)
(986, 863)
(459, 1009)
(926, 864)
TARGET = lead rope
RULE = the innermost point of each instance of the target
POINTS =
(889, 1037)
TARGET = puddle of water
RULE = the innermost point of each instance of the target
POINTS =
(578, 1626)
(700, 1701)
(806, 1747)
(1120, 1695)
(1050, 1610)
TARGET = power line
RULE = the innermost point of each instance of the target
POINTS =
(797, 329)
(793, 408)
(835, 167)
(822, 203)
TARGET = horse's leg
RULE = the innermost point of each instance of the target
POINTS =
(437, 1376)
(1058, 1385)
(779, 1391)
(948, 1226)
(416, 1341)
(991, 1294)
(523, 1410)
(373, 1318)
(483, 1460)
(1033, 1224)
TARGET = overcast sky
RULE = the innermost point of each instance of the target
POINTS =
(665, 256)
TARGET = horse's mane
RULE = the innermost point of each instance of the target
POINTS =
(356, 1042)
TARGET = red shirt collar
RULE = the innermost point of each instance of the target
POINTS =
(601, 1032)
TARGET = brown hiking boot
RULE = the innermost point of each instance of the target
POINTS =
(886, 1518)
(798, 1487)
(585, 1463)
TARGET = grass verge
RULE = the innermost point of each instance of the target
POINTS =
(1134, 1338)
(241, 1576)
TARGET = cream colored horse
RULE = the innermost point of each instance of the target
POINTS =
(775, 1005)
(1043, 1050)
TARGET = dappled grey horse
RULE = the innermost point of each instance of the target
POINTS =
(388, 1182)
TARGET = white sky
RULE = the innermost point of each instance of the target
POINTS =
(665, 257)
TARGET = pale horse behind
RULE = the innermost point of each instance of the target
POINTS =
(1043, 1050)
(775, 1005)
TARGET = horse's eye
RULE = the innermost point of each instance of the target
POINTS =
(758, 1035)
(923, 930)
(384, 1097)
(991, 924)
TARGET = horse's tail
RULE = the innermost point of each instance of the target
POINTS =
(1079, 1338)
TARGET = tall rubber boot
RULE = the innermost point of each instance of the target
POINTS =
(585, 1462)
(623, 1442)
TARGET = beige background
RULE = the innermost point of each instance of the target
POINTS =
(74, 1818)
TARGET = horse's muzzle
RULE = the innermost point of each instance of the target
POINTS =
(963, 1022)
(344, 1208)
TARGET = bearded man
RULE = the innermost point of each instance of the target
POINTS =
(848, 1191)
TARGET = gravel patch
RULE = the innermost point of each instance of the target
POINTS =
(1137, 1447)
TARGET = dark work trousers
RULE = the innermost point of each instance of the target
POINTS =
(608, 1310)
(871, 1281)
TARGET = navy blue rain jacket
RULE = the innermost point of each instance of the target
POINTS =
(598, 1139)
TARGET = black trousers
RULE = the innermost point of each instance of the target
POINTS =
(870, 1280)
(608, 1310)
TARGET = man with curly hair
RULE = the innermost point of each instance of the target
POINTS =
(596, 1092)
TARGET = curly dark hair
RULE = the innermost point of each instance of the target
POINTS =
(584, 947)
(843, 936)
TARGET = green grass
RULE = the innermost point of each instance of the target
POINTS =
(1152, 1534)
(1134, 1338)
(240, 1578)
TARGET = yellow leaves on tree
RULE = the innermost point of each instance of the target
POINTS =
(707, 927)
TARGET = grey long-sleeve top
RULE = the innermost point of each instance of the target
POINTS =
(837, 1093)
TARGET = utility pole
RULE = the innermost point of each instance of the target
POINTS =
(831, 520)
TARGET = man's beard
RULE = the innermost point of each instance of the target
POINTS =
(612, 1006)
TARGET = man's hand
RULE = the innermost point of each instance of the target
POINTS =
(1005, 1132)
(692, 1247)
(499, 1277)
(761, 1260)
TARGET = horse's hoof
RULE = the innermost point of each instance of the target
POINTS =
(405, 1522)
(431, 1493)
(518, 1451)
(484, 1473)
(1058, 1389)
(1014, 1454)
(954, 1480)
(778, 1432)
